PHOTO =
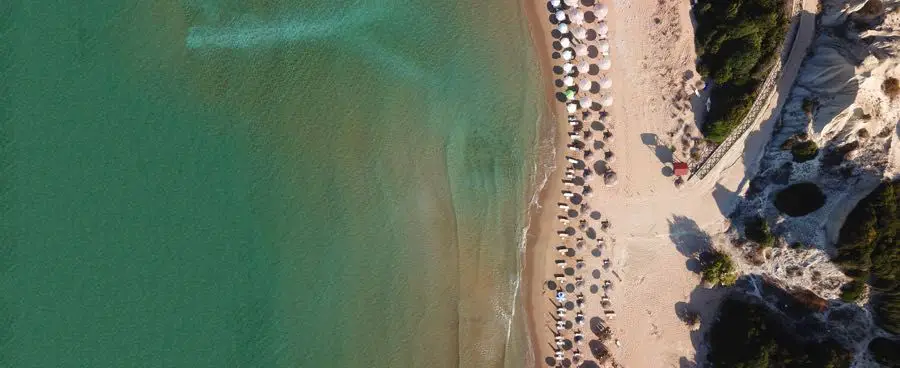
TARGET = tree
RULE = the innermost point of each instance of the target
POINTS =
(718, 269)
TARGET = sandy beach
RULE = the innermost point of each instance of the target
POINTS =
(654, 225)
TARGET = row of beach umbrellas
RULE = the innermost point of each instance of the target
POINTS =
(580, 32)
(599, 9)
(585, 84)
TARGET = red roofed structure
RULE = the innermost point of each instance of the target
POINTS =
(681, 168)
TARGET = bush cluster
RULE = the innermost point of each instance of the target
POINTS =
(885, 351)
(867, 250)
(799, 199)
(757, 230)
(737, 44)
(891, 87)
(804, 151)
(749, 336)
(718, 269)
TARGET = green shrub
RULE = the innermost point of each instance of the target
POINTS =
(718, 269)
(747, 335)
(885, 351)
(852, 291)
(804, 151)
(757, 230)
(799, 199)
(737, 44)
(867, 250)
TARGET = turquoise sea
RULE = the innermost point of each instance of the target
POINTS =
(264, 183)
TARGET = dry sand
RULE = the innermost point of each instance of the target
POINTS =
(655, 226)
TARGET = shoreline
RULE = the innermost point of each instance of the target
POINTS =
(547, 178)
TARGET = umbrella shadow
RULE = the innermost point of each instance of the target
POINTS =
(663, 154)
(593, 52)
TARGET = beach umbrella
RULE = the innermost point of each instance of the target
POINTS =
(555, 3)
(563, 28)
(584, 84)
(602, 29)
(569, 81)
(571, 3)
(565, 42)
(600, 10)
(584, 67)
(570, 94)
(606, 100)
(585, 102)
(581, 50)
(605, 63)
(603, 46)
(577, 16)
(560, 15)
(610, 178)
(567, 68)
(579, 33)
(571, 108)
(609, 157)
(567, 55)
(605, 82)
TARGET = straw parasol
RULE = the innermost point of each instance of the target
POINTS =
(610, 178)
(571, 108)
(584, 67)
(567, 55)
(600, 10)
(581, 50)
(605, 82)
(563, 28)
(565, 42)
(579, 33)
(567, 68)
(609, 157)
(577, 16)
(606, 100)
(560, 15)
(602, 29)
(585, 102)
(584, 84)
(569, 81)
(605, 63)
(603, 46)
(572, 3)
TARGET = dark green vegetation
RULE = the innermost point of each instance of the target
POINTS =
(885, 351)
(804, 151)
(717, 268)
(799, 199)
(868, 251)
(749, 336)
(809, 105)
(737, 43)
(891, 87)
(756, 229)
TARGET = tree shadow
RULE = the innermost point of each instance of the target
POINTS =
(689, 240)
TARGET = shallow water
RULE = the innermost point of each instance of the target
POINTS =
(264, 183)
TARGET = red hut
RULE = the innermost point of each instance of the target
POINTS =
(681, 168)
